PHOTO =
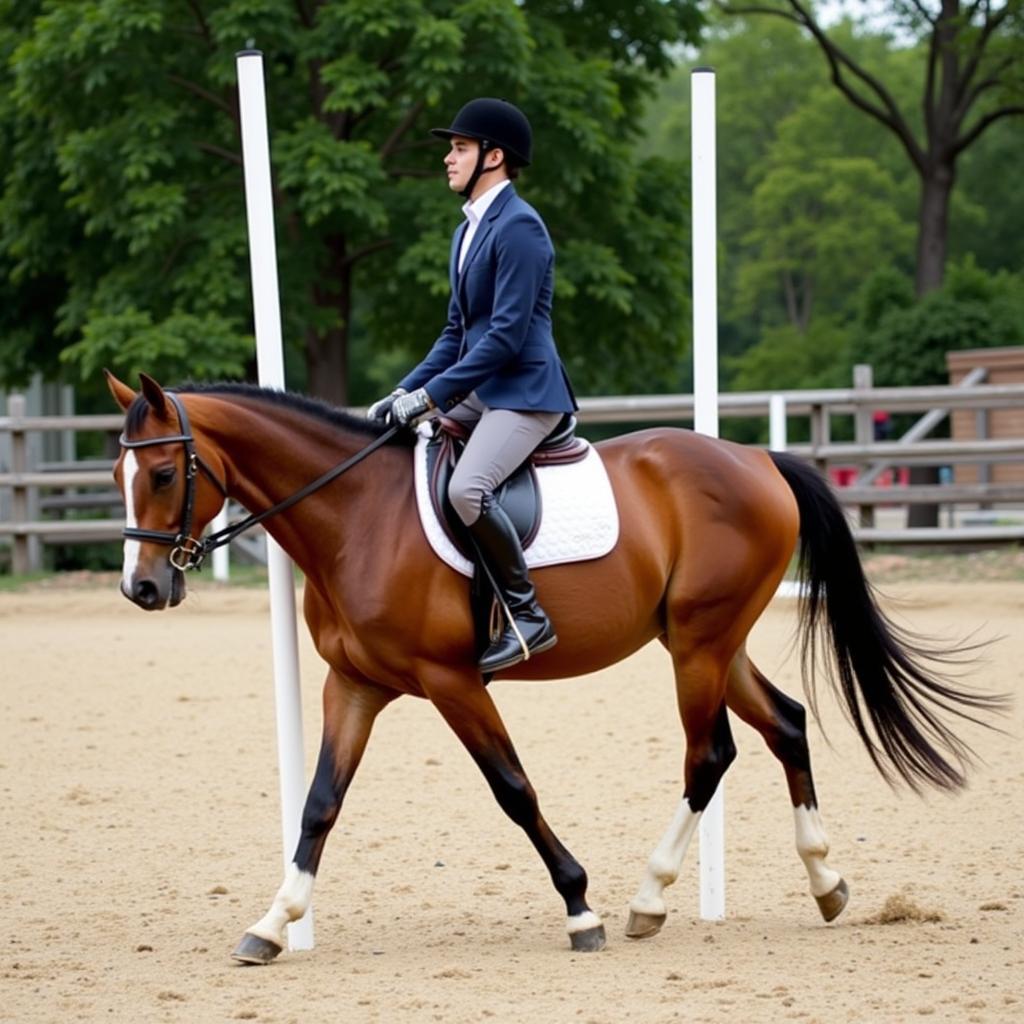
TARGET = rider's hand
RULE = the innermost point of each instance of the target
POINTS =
(407, 409)
(381, 408)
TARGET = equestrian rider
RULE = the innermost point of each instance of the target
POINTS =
(494, 368)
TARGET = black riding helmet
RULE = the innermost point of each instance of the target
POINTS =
(495, 124)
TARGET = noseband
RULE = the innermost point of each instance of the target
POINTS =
(186, 551)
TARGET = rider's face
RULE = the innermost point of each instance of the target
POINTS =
(460, 162)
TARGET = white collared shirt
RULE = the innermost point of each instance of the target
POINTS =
(474, 212)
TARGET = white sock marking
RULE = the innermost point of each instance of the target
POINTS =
(666, 862)
(129, 469)
(290, 903)
(583, 922)
(812, 845)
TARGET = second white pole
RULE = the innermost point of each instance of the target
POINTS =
(705, 403)
(259, 205)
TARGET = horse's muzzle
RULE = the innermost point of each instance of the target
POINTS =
(148, 594)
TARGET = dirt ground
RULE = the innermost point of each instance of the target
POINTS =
(139, 828)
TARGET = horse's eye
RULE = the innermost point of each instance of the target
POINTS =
(164, 477)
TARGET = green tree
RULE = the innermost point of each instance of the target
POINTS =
(817, 232)
(811, 198)
(122, 230)
(907, 343)
(992, 228)
(973, 52)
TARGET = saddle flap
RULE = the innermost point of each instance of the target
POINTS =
(580, 520)
(519, 495)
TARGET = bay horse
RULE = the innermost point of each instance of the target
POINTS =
(708, 529)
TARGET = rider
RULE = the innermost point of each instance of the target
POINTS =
(494, 368)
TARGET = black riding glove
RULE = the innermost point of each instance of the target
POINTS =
(408, 409)
(382, 408)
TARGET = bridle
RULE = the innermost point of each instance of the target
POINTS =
(188, 552)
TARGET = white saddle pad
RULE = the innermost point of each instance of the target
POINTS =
(579, 517)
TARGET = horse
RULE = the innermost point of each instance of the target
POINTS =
(707, 531)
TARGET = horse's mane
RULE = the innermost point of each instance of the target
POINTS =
(315, 408)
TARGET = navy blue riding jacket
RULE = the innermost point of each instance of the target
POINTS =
(498, 340)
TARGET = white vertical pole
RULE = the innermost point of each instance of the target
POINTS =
(221, 558)
(259, 205)
(777, 439)
(705, 404)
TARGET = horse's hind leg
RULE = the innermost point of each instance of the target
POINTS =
(350, 708)
(782, 722)
(468, 708)
(700, 687)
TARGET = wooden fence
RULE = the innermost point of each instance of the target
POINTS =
(59, 493)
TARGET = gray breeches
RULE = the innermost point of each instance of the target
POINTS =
(501, 441)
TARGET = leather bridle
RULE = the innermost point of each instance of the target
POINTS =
(188, 552)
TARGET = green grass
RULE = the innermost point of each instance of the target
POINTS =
(242, 576)
(12, 584)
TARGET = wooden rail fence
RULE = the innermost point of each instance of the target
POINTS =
(61, 494)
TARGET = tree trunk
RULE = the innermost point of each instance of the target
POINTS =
(932, 234)
(933, 227)
(932, 239)
(327, 351)
(327, 365)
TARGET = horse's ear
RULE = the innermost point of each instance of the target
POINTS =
(123, 395)
(154, 394)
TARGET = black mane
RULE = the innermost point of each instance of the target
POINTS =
(315, 408)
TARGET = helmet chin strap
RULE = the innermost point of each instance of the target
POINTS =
(479, 171)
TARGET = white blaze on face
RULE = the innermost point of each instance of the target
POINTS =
(129, 469)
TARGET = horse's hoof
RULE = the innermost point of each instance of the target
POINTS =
(833, 903)
(254, 950)
(591, 940)
(643, 926)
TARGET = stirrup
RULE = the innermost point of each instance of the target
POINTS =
(520, 652)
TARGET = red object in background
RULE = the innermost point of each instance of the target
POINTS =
(846, 476)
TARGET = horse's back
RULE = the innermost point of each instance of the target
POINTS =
(725, 516)
(696, 478)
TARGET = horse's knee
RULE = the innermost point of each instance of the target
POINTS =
(705, 771)
(323, 802)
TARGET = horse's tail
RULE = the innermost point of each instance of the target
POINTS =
(875, 667)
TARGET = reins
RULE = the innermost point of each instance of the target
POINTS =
(187, 552)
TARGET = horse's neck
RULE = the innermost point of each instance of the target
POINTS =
(270, 453)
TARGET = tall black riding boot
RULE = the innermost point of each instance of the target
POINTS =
(499, 545)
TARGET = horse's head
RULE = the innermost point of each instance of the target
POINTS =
(158, 473)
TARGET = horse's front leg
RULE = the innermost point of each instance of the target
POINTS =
(350, 708)
(468, 708)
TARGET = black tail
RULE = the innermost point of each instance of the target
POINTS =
(877, 668)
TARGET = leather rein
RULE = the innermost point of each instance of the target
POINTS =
(188, 552)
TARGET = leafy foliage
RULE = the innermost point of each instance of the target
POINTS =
(122, 225)
(818, 208)
(973, 309)
(971, 54)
